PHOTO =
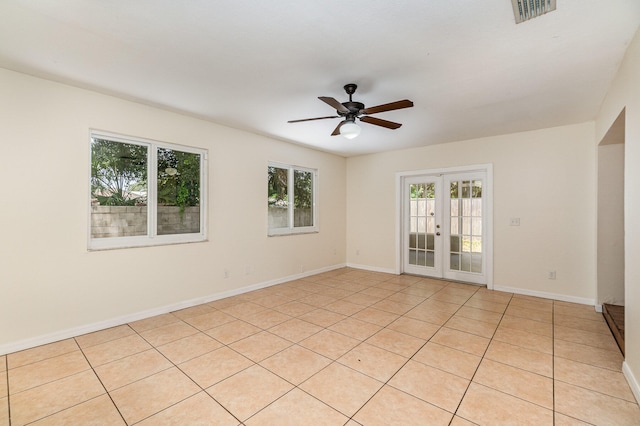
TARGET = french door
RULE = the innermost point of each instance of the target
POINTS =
(445, 226)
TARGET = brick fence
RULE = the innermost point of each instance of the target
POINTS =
(126, 221)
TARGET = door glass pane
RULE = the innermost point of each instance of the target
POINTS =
(278, 197)
(178, 192)
(421, 224)
(118, 189)
(466, 225)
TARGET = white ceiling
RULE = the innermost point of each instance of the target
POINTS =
(254, 64)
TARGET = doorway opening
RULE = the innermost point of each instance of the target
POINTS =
(444, 219)
(610, 232)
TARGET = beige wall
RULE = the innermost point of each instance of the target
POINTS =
(51, 283)
(625, 94)
(544, 177)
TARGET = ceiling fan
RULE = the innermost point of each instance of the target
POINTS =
(351, 110)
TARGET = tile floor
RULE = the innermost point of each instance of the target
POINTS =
(347, 347)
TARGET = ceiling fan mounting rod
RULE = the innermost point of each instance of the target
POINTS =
(350, 89)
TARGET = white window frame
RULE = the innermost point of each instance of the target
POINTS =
(291, 229)
(152, 238)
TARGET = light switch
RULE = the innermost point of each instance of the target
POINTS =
(515, 221)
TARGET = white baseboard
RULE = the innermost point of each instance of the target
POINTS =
(545, 295)
(372, 268)
(20, 345)
(631, 379)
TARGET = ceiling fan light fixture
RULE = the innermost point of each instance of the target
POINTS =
(350, 130)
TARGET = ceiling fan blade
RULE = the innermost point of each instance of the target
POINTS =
(334, 103)
(380, 122)
(405, 103)
(336, 131)
(311, 119)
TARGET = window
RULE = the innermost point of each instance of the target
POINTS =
(291, 198)
(145, 192)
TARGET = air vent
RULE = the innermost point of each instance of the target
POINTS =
(529, 9)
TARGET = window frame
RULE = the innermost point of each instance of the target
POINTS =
(291, 229)
(151, 238)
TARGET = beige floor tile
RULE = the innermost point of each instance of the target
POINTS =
(343, 307)
(473, 326)
(428, 314)
(190, 347)
(424, 292)
(46, 371)
(612, 383)
(466, 311)
(341, 388)
(459, 421)
(249, 391)
(462, 341)
(486, 305)
(450, 298)
(4, 411)
(593, 407)
(233, 331)
(363, 299)
(329, 343)
(373, 361)
(94, 412)
(102, 336)
(135, 367)
(594, 326)
(562, 420)
(272, 300)
(212, 367)
(396, 342)
(318, 300)
(148, 396)
(297, 408)
(40, 353)
(295, 330)
(598, 340)
(295, 364)
(486, 406)
(378, 292)
(267, 319)
(209, 320)
(516, 356)
(516, 382)
(532, 314)
(338, 292)
(376, 316)
(393, 407)
(260, 346)
(524, 339)
(536, 304)
(168, 333)
(407, 299)
(579, 311)
(153, 322)
(493, 296)
(295, 308)
(394, 307)
(588, 355)
(241, 310)
(413, 327)
(4, 391)
(440, 305)
(528, 325)
(42, 401)
(197, 410)
(355, 328)
(3, 363)
(322, 317)
(430, 384)
(227, 302)
(447, 359)
(115, 349)
(193, 311)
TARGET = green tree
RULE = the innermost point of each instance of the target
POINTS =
(118, 173)
(178, 178)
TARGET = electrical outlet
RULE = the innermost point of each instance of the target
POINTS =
(552, 275)
(514, 221)
(357, 252)
(226, 273)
